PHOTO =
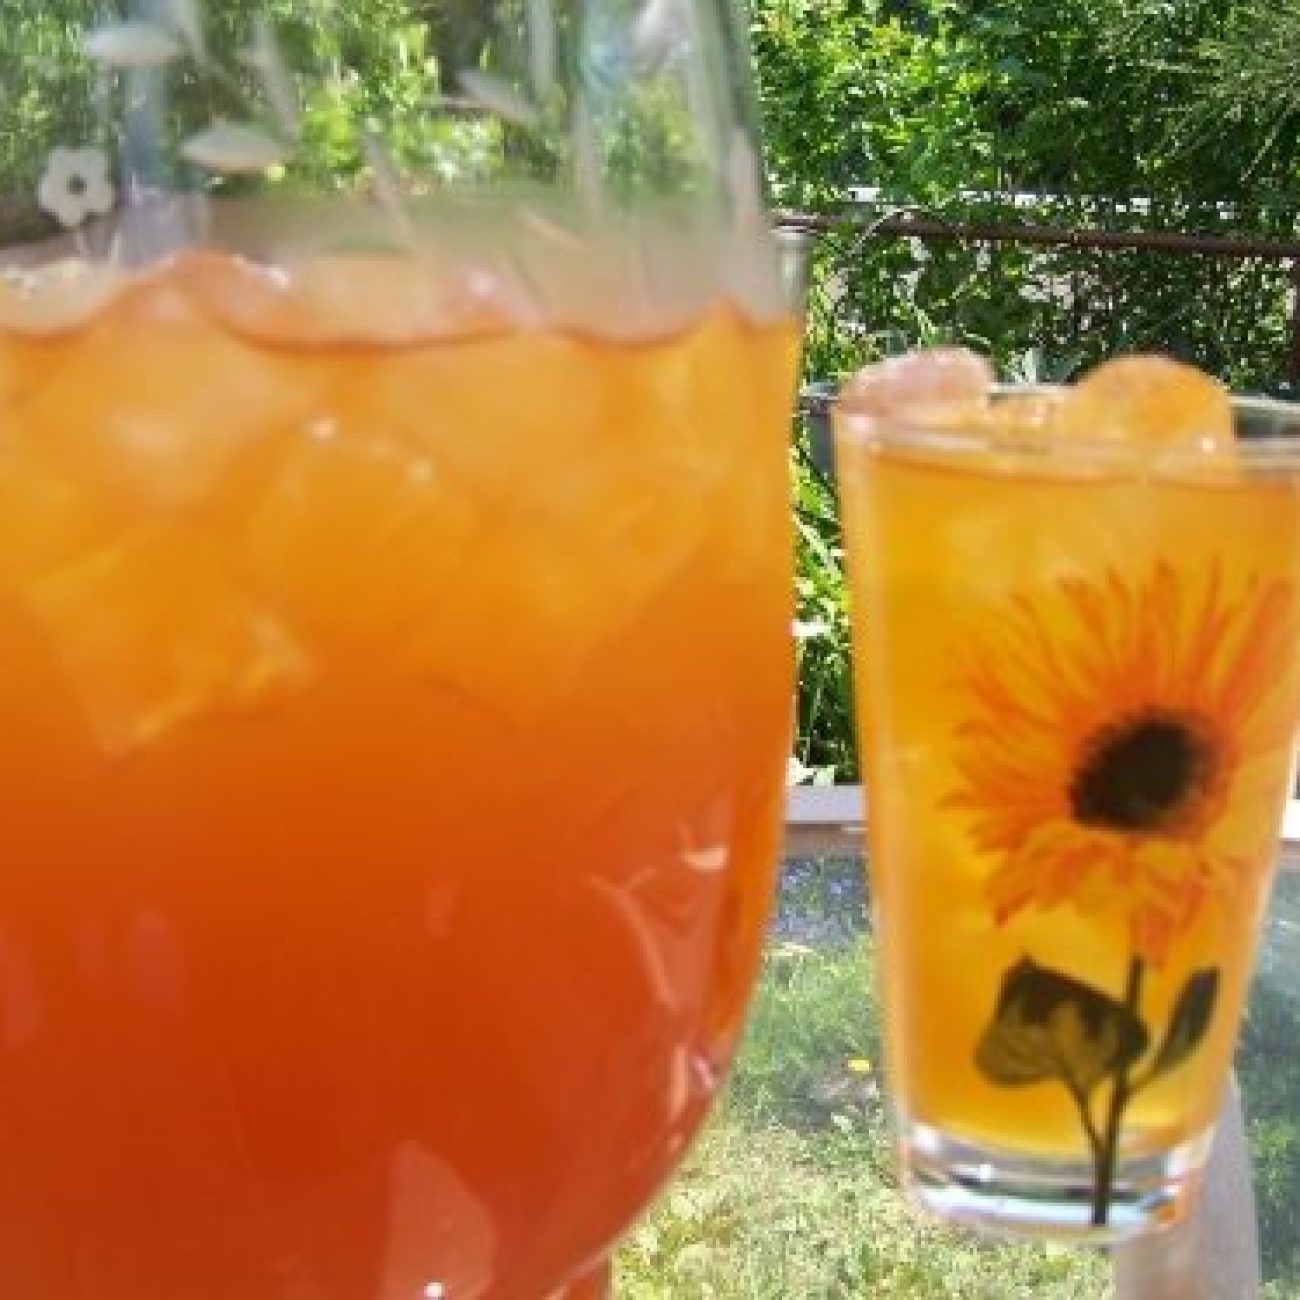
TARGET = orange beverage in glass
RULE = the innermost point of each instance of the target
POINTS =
(1078, 663)
(391, 777)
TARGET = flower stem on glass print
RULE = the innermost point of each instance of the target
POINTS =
(1051, 1027)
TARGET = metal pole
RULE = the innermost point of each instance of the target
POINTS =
(1055, 236)
(1292, 367)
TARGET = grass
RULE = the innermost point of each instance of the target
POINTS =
(771, 1215)
(791, 1190)
(1268, 1069)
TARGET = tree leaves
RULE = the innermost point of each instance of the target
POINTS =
(1051, 1026)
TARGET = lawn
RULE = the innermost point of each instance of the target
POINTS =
(791, 1195)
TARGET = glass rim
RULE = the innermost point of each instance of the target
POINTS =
(1267, 441)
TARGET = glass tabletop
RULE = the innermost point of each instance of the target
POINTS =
(792, 1189)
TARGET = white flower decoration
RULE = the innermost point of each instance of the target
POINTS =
(76, 185)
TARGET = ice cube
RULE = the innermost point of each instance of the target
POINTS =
(1030, 414)
(11, 376)
(502, 630)
(153, 405)
(368, 299)
(45, 520)
(498, 414)
(153, 632)
(707, 400)
(56, 297)
(946, 387)
(731, 413)
(1150, 401)
(356, 534)
(526, 612)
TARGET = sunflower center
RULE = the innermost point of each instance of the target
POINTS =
(1146, 773)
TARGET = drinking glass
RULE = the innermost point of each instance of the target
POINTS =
(1079, 674)
(394, 635)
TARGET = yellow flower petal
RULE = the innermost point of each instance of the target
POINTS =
(1076, 694)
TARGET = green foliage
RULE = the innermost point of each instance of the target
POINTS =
(824, 744)
(48, 98)
(945, 109)
(370, 91)
(1193, 101)
(854, 96)
(355, 69)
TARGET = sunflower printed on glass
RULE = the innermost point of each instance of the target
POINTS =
(1077, 640)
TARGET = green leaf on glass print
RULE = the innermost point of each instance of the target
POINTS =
(1191, 1018)
(1052, 1026)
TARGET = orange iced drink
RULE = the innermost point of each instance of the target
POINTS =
(1078, 658)
(395, 718)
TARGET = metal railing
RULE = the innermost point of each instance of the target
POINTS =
(1276, 284)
